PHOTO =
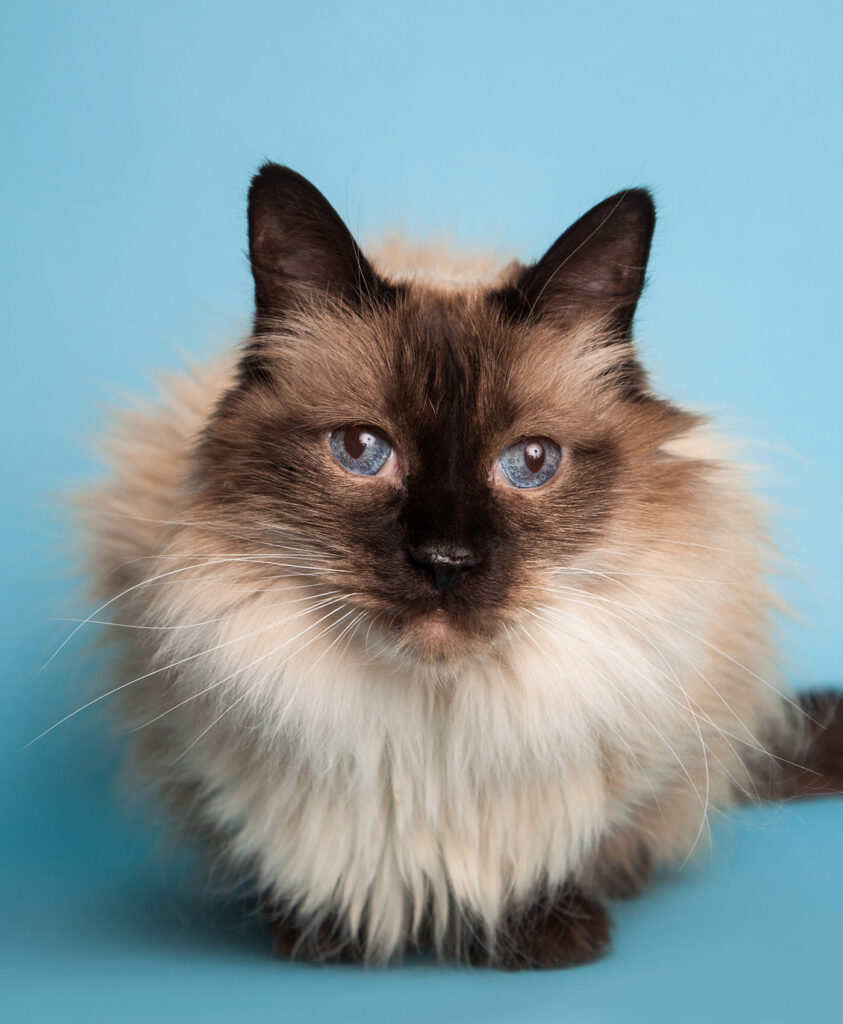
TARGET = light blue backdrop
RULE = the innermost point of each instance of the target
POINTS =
(130, 132)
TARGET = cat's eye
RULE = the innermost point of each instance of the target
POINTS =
(364, 450)
(530, 463)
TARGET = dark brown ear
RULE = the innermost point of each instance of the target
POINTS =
(596, 267)
(300, 250)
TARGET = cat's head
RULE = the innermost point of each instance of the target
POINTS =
(435, 452)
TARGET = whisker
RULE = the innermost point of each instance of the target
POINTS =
(644, 717)
(705, 717)
(124, 593)
(243, 668)
(204, 622)
(142, 583)
(252, 688)
(613, 573)
(330, 646)
(167, 668)
(615, 732)
(710, 645)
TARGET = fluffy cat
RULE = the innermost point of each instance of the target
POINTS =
(445, 627)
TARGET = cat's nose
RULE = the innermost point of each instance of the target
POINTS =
(443, 563)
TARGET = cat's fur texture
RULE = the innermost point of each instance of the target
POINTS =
(393, 764)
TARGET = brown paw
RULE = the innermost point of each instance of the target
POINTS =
(564, 931)
(323, 944)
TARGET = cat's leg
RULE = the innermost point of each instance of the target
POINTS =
(324, 943)
(566, 929)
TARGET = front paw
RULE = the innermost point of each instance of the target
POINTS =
(564, 930)
(325, 943)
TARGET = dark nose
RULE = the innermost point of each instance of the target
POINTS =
(442, 563)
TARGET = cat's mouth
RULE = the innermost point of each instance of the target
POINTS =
(442, 625)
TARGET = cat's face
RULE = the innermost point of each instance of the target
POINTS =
(439, 452)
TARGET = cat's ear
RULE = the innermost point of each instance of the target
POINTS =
(300, 250)
(597, 267)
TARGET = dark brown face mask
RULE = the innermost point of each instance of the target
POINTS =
(434, 440)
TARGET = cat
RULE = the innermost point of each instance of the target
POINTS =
(440, 628)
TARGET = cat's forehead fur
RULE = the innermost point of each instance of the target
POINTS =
(449, 357)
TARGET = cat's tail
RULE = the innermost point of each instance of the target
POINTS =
(807, 762)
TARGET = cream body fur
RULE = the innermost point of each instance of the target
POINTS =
(352, 782)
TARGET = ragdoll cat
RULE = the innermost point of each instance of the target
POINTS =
(446, 628)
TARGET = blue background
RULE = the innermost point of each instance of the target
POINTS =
(130, 132)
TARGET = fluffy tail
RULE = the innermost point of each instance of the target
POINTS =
(810, 761)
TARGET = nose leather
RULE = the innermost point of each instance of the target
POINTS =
(443, 563)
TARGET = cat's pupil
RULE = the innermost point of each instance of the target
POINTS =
(357, 440)
(534, 456)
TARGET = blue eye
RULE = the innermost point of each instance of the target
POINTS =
(530, 463)
(361, 449)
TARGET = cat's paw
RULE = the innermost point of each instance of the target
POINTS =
(324, 944)
(570, 930)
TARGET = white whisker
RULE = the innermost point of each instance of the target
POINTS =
(167, 668)
(251, 689)
(243, 668)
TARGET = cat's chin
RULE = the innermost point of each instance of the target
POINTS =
(434, 637)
